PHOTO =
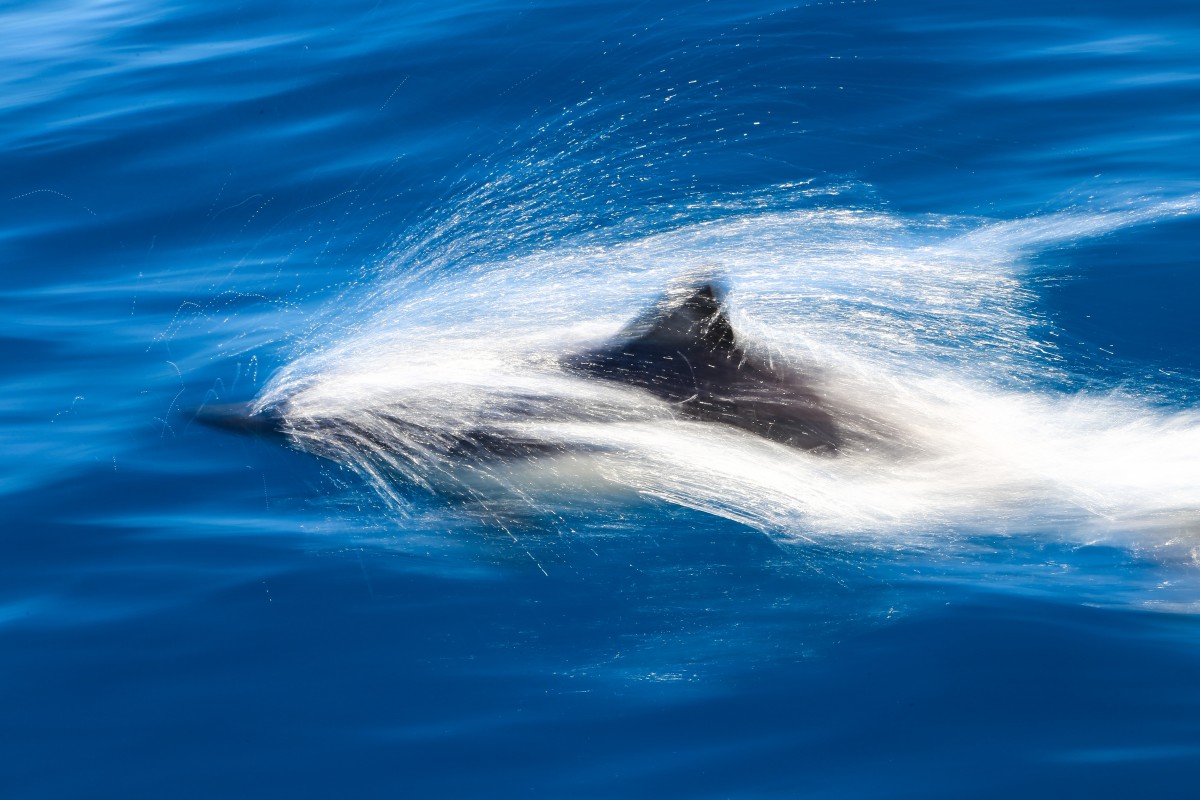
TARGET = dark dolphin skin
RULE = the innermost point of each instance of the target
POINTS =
(685, 352)
(240, 418)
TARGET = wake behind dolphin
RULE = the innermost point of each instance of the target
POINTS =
(863, 375)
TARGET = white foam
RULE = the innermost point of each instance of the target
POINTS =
(920, 333)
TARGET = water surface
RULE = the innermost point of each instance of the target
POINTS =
(979, 222)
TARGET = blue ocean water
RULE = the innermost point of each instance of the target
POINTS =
(980, 220)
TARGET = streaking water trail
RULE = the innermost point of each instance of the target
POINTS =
(922, 335)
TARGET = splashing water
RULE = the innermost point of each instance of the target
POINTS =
(920, 334)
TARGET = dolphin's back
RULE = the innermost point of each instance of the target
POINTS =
(687, 353)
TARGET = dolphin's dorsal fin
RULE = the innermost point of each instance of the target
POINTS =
(683, 350)
(686, 353)
(687, 322)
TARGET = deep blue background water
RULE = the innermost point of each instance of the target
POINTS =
(187, 190)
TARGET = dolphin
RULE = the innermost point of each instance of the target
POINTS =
(681, 364)
(683, 351)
